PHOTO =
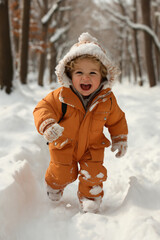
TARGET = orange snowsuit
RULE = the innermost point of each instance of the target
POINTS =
(82, 141)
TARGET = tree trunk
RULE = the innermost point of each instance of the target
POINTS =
(6, 62)
(24, 41)
(42, 59)
(120, 46)
(137, 50)
(157, 51)
(52, 63)
(146, 13)
(15, 37)
(130, 61)
(125, 68)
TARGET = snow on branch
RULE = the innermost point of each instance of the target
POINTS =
(157, 14)
(136, 26)
(58, 33)
(49, 14)
(68, 8)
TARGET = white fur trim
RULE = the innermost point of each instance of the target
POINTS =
(122, 136)
(61, 99)
(103, 97)
(86, 45)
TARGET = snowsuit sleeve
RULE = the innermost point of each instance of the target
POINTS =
(116, 123)
(47, 109)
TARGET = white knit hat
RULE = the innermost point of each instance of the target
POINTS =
(90, 46)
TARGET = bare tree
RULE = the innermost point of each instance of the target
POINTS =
(47, 14)
(15, 20)
(146, 13)
(156, 18)
(129, 61)
(151, 38)
(62, 17)
(137, 49)
(24, 41)
(42, 58)
(6, 64)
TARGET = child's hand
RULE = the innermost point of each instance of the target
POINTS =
(53, 132)
(121, 147)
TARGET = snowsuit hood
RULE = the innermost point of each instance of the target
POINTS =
(87, 45)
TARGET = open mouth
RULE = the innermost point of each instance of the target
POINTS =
(86, 87)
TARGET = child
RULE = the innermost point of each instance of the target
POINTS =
(76, 140)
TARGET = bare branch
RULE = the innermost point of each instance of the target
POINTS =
(46, 18)
(49, 14)
(58, 33)
(136, 26)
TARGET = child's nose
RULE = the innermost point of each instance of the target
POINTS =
(86, 77)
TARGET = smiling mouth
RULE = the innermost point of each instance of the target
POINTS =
(86, 87)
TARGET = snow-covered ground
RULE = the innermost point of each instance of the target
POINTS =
(131, 205)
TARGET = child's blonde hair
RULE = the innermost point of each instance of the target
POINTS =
(69, 68)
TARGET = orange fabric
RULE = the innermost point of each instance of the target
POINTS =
(83, 140)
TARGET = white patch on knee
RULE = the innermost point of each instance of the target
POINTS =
(95, 190)
(100, 175)
(86, 174)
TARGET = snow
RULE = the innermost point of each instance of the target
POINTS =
(52, 10)
(86, 174)
(67, 8)
(89, 205)
(131, 205)
(100, 175)
(58, 33)
(49, 14)
(95, 190)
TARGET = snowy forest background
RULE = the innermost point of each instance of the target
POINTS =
(34, 35)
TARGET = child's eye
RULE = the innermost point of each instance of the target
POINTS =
(78, 72)
(92, 73)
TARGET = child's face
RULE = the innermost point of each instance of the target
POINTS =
(86, 76)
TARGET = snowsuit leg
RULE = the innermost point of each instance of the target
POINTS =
(91, 175)
(62, 170)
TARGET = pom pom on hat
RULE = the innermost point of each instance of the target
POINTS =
(86, 37)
